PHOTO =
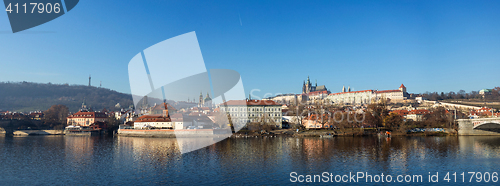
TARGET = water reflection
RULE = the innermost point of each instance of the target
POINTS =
(134, 160)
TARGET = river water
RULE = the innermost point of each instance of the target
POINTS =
(76, 160)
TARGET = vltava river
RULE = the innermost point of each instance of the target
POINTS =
(68, 160)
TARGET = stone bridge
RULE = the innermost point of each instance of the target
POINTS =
(9, 127)
(481, 127)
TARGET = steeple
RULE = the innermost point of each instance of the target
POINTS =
(165, 110)
(201, 97)
(84, 106)
(349, 89)
(343, 88)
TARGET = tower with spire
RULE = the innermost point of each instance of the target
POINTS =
(201, 98)
(308, 87)
(84, 106)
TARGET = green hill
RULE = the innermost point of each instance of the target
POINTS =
(27, 96)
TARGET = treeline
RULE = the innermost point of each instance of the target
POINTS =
(494, 95)
(27, 96)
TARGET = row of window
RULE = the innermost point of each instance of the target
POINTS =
(252, 109)
(258, 120)
(258, 115)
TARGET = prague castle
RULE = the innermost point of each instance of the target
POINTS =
(307, 87)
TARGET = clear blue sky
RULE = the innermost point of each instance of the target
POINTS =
(427, 45)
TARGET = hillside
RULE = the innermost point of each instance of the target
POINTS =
(26, 96)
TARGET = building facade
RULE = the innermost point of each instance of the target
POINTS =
(368, 96)
(247, 111)
(86, 118)
(155, 120)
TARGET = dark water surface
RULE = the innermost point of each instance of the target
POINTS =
(67, 160)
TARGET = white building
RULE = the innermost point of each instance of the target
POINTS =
(246, 111)
(153, 121)
(368, 96)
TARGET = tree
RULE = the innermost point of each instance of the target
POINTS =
(55, 116)
(394, 122)
(379, 112)
(438, 118)
(222, 119)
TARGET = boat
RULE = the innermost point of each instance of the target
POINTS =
(81, 131)
(326, 136)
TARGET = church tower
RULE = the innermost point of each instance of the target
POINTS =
(349, 89)
(308, 85)
(165, 110)
(201, 98)
(343, 88)
(84, 106)
(402, 88)
(304, 87)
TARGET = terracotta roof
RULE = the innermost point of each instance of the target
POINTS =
(420, 111)
(400, 112)
(318, 92)
(164, 106)
(176, 115)
(314, 117)
(387, 91)
(81, 114)
(402, 86)
(351, 92)
(153, 118)
(251, 102)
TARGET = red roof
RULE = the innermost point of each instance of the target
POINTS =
(315, 117)
(81, 114)
(387, 91)
(153, 118)
(176, 115)
(420, 111)
(318, 92)
(352, 92)
(251, 102)
(401, 112)
(402, 86)
(164, 106)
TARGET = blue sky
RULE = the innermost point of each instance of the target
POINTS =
(427, 45)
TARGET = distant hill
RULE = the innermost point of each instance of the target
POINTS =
(26, 96)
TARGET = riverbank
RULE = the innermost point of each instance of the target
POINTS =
(34, 132)
(340, 132)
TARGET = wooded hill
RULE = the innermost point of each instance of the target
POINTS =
(27, 96)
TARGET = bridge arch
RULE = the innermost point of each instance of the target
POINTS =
(487, 125)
